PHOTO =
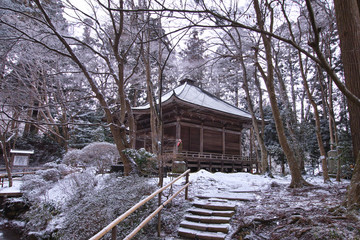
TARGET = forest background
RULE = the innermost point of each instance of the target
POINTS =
(70, 75)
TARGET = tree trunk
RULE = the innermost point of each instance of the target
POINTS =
(6, 159)
(290, 117)
(353, 194)
(317, 122)
(348, 23)
(264, 155)
(296, 178)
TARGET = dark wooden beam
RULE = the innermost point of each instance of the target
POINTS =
(178, 133)
(223, 140)
(201, 138)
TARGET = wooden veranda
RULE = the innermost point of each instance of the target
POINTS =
(214, 162)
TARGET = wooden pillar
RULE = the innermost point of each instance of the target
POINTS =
(134, 135)
(269, 162)
(178, 133)
(223, 140)
(202, 138)
(240, 150)
(255, 148)
(251, 143)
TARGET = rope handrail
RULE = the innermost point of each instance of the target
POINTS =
(115, 222)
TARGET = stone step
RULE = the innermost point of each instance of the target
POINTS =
(230, 196)
(196, 234)
(215, 199)
(205, 226)
(208, 212)
(214, 206)
(207, 219)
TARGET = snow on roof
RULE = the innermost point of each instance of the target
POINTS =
(21, 151)
(197, 96)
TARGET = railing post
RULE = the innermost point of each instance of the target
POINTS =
(159, 216)
(113, 233)
(187, 188)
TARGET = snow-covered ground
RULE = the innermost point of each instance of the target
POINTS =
(204, 183)
(14, 189)
(277, 211)
(274, 212)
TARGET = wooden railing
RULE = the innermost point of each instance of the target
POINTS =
(220, 156)
(112, 226)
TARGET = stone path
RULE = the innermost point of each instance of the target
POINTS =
(210, 216)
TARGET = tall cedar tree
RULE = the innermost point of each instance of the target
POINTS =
(348, 23)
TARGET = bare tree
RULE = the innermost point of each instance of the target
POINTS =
(117, 121)
(312, 102)
(296, 178)
(8, 130)
(259, 130)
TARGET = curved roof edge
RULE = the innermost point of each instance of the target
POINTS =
(199, 97)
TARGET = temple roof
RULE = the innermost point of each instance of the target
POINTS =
(194, 95)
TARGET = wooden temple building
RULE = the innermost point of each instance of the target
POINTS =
(200, 129)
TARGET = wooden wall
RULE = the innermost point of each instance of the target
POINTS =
(190, 138)
(232, 145)
(169, 138)
(212, 141)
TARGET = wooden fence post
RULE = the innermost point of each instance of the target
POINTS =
(187, 188)
(113, 233)
(159, 216)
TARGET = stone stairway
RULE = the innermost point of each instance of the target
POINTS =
(209, 219)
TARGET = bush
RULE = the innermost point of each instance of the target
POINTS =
(99, 154)
(72, 158)
(40, 215)
(34, 187)
(62, 168)
(146, 162)
(95, 207)
(80, 204)
(51, 174)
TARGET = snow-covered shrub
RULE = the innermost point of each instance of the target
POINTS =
(81, 182)
(88, 212)
(72, 157)
(98, 154)
(51, 174)
(146, 162)
(80, 204)
(33, 186)
(62, 168)
(39, 215)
